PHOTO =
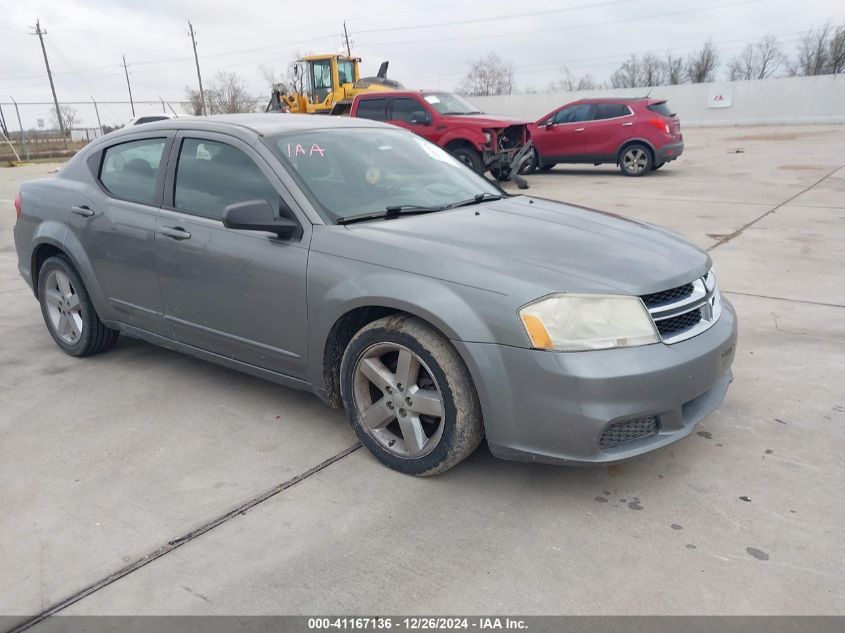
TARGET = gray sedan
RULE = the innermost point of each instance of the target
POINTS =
(358, 261)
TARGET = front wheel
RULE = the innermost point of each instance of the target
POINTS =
(469, 157)
(635, 160)
(409, 397)
(68, 311)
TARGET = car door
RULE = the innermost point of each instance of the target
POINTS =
(560, 137)
(411, 114)
(116, 225)
(610, 125)
(240, 294)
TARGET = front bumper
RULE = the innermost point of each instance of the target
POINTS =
(554, 406)
(668, 152)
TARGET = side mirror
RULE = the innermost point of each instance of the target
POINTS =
(257, 215)
(420, 118)
(550, 123)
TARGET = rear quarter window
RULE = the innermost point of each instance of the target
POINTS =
(130, 170)
(661, 108)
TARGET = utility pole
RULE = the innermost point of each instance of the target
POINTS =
(197, 60)
(128, 85)
(346, 37)
(41, 35)
(97, 112)
(20, 125)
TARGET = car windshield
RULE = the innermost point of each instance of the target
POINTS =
(349, 172)
(448, 103)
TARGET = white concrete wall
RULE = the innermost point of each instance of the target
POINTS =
(769, 101)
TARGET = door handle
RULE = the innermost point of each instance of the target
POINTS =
(176, 232)
(82, 210)
(579, 129)
(628, 124)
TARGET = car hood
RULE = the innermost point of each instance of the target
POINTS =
(483, 120)
(526, 247)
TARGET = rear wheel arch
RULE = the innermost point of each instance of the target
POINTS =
(634, 141)
(40, 254)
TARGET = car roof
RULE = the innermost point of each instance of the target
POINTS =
(400, 93)
(618, 100)
(262, 124)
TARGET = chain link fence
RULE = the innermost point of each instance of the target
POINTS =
(30, 129)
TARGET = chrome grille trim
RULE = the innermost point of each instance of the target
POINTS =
(705, 298)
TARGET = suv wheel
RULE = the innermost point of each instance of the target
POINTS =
(409, 396)
(635, 160)
(68, 312)
(469, 157)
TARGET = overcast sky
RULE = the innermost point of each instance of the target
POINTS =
(430, 44)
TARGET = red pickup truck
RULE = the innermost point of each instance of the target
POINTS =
(484, 142)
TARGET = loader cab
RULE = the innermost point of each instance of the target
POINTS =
(326, 75)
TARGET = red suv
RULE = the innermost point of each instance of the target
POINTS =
(482, 141)
(638, 134)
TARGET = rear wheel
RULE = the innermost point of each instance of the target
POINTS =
(635, 160)
(469, 157)
(409, 397)
(68, 312)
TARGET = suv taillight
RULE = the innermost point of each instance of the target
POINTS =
(18, 205)
(660, 124)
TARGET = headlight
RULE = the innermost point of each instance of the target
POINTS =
(488, 137)
(571, 323)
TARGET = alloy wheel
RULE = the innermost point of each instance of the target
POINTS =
(635, 160)
(398, 401)
(63, 307)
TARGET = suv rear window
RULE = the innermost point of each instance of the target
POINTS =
(375, 109)
(610, 111)
(661, 108)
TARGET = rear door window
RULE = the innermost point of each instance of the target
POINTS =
(211, 175)
(573, 114)
(375, 109)
(610, 111)
(130, 170)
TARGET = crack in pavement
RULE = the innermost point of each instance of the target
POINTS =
(178, 542)
(808, 301)
(727, 238)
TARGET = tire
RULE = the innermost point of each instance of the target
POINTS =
(635, 160)
(68, 313)
(548, 167)
(469, 157)
(500, 175)
(421, 429)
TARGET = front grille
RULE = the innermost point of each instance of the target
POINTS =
(682, 322)
(656, 299)
(685, 311)
(628, 431)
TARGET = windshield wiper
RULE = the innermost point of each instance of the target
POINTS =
(481, 197)
(390, 213)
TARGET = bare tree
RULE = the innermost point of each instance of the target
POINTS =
(653, 72)
(226, 94)
(837, 51)
(569, 82)
(70, 117)
(229, 94)
(757, 61)
(702, 64)
(628, 75)
(673, 68)
(488, 76)
(292, 80)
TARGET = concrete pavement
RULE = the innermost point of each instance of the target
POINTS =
(107, 460)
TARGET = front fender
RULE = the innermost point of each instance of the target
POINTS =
(337, 287)
(468, 135)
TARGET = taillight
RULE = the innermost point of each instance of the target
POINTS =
(660, 124)
(18, 203)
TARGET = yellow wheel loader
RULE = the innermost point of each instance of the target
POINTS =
(328, 83)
